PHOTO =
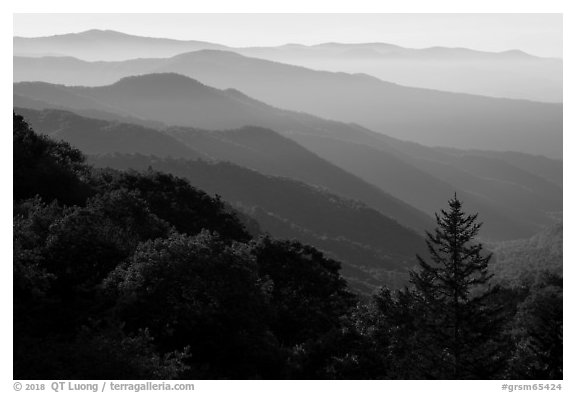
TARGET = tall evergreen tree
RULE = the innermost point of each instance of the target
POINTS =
(459, 319)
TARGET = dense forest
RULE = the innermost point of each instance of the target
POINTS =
(123, 274)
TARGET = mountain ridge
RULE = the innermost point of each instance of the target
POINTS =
(217, 145)
(508, 73)
(508, 221)
(427, 116)
(115, 33)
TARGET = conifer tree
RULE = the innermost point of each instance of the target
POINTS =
(459, 317)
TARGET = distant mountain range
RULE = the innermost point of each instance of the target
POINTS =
(106, 45)
(430, 117)
(256, 148)
(512, 74)
(98, 44)
(514, 201)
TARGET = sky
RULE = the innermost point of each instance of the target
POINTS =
(537, 34)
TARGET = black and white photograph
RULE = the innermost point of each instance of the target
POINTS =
(287, 196)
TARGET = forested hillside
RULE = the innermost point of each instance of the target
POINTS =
(521, 260)
(374, 249)
(137, 268)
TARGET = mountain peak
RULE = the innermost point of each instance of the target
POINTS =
(375, 45)
(163, 77)
(100, 32)
(159, 83)
(516, 53)
(208, 53)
